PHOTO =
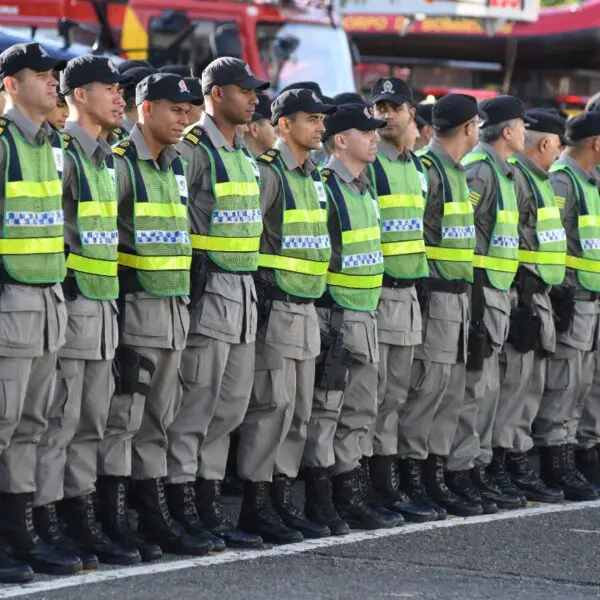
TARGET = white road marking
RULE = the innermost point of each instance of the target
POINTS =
(13, 591)
(585, 530)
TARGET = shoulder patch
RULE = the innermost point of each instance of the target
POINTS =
(117, 130)
(325, 173)
(3, 126)
(121, 148)
(193, 135)
(426, 161)
(269, 156)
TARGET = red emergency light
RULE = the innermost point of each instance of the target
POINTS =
(444, 91)
(579, 100)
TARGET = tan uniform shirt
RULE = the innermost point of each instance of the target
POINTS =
(149, 321)
(227, 310)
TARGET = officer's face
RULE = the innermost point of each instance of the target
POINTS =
(235, 104)
(411, 135)
(103, 103)
(550, 148)
(397, 117)
(304, 129)
(361, 146)
(262, 134)
(166, 120)
(516, 136)
(195, 113)
(35, 90)
(59, 115)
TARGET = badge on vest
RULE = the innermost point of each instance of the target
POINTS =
(182, 185)
(423, 180)
(254, 166)
(321, 194)
(58, 159)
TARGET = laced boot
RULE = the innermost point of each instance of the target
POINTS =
(411, 481)
(528, 482)
(490, 491)
(499, 476)
(461, 483)
(319, 503)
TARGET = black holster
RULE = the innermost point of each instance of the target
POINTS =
(332, 365)
(525, 325)
(479, 346)
(127, 366)
(563, 306)
(264, 303)
(199, 279)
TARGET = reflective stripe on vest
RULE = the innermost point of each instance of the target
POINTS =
(588, 202)
(550, 254)
(95, 265)
(162, 256)
(32, 241)
(502, 259)
(454, 256)
(401, 187)
(233, 237)
(357, 285)
(303, 260)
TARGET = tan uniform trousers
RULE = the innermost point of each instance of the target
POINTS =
(273, 434)
(472, 445)
(135, 441)
(68, 450)
(569, 376)
(218, 372)
(340, 420)
(32, 329)
(399, 329)
(518, 399)
(429, 418)
(588, 432)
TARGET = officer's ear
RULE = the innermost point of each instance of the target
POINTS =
(217, 93)
(11, 84)
(145, 108)
(596, 144)
(284, 124)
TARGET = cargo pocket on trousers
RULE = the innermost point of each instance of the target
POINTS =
(443, 325)
(558, 374)
(583, 327)
(21, 319)
(11, 393)
(65, 403)
(83, 325)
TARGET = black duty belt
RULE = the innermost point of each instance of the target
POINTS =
(272, 292)
(586, 296)
(485, 282)
(458, 286)
(325, 301)
(128, 282)
(70, 288)
(392, 282)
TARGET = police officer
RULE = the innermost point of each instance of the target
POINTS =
(218, 363)
(425, 123)
(193, 84)
(31, 301)
(493, 195)
(569, 372)
(67, 452)
(261, 134)
(532, 336)
(60, 113)
(400, 183)
(295, 253)
(429, 418)
(154, 283)
(344, 405)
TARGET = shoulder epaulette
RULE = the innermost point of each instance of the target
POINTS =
(3, 125)
(269, 156)
(66, 140)
(121, 148)
(193, 136)
(426, 161)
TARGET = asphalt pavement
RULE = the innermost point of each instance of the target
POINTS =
(528, 554)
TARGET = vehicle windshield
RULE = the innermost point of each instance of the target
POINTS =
(304, 52)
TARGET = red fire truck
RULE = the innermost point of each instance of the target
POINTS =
(282, 40)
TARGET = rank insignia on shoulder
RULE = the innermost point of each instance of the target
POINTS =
(426, 161)
(3, 122)
(121, 148)
(269, 156)
(325, 173)
(66, 140)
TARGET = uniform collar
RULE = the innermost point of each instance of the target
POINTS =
(127, 124)
(31, 132)
(166, 157)
(342, 171)
(571, 162)
(440, 151)
(88, 144)
(391, 152)
(493, 154)
(290, 161)
(531, 165)
(216, 137)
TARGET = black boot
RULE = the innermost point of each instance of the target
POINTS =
(259, 517)
(49, 528)
(528, 482)
(111, 493)
(490, 491)
(368, 492)
(17, 520)
(319, 503)
(12, 571)
(385, 479)
(354, 507)
(588, 463)
(558, 470)
(156, 523)
(210, 511)
(433, 475)
(181, 498)
(497, 473)
(292, 515)
(411, 481)
(460, 483)
(82, 526)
